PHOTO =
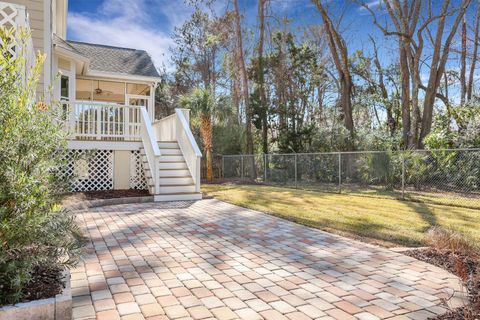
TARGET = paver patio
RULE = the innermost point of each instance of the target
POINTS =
(212, 260)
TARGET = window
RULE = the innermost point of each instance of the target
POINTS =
(64, 88)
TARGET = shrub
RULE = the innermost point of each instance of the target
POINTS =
(35, 233)
(441, 238)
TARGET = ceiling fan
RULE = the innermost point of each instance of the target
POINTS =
(100, 91)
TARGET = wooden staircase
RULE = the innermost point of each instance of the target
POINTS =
(175, 179)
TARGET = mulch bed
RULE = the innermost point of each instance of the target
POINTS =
(465, 267)
(108, 194)
(45, 283)
(75, 198)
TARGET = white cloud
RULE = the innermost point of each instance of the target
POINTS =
(139, 24)
(372, 5)
(124, 24)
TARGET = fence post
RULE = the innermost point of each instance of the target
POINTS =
(265, 168)
(403, 175)
(339, 172)
(241, 165)
(296, 158)
(223, 166)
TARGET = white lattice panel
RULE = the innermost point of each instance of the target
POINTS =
(137, 174)
(90, 170)
(14, 18)
(8, 16)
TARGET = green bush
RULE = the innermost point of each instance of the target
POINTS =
(35, 233)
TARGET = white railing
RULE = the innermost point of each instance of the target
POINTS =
(176, 127)
(188, 145)
(87, 120)
(152, 152)
(165, 128)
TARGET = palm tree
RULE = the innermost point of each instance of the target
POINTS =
(208, 109)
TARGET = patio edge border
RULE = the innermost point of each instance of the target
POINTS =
(84, 205)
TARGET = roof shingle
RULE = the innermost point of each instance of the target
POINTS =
(116, 60)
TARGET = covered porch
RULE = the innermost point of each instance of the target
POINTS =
(102, 89)
(104, 110)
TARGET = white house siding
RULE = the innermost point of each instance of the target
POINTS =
(39, 24)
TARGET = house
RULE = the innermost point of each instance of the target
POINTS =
(107, 94)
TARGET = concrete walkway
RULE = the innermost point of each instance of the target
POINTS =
(212, 260)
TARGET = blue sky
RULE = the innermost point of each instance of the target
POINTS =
(148, 24)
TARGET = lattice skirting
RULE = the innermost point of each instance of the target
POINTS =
(93, 170)
(137, 174)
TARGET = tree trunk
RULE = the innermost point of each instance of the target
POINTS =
(391, 123)
(415, 115)
(339, 53)
(206, 132)
(236, 98)
(246, 95)
(474, 55)
(261, 76)
(463, 63)
(405, 97)
(441, 50)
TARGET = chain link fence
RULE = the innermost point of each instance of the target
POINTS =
(448, 177)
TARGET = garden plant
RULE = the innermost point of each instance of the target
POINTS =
(38, 239)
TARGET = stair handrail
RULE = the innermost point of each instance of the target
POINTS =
(152, 151)
(188, 145)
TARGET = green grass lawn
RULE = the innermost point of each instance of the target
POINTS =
(381, 220)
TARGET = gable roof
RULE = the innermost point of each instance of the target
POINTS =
(65, 45)
(116, 60)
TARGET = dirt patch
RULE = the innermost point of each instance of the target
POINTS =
(466, 268)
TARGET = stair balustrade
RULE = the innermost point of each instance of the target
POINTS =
(176, 127)
(152, 152)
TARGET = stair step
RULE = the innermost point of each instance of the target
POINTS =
(174, 173)
(171, 158)
(176, 181)
(168, 145)
(181, 196)
(167, 152)
(169, 189)
(167, 158)
(174, 165)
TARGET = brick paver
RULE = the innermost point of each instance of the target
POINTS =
(209, 259)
